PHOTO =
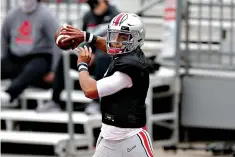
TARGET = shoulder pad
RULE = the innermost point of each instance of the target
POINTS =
(130, 65)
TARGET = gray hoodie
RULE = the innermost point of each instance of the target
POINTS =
(25, 34)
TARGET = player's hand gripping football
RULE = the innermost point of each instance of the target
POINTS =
(84, 55)
(77, 36)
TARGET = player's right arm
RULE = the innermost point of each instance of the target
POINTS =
(78, 36)
(96, 89)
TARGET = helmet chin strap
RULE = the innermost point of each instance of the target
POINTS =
(28, 6)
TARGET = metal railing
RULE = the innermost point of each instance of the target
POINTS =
(214, 23)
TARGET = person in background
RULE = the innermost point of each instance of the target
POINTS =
(29, 54)
(95, 21)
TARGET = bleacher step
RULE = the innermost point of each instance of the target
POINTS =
(42, 138)
(56, 117)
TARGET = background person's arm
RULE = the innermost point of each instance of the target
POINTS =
(50, 25)
(5, 35)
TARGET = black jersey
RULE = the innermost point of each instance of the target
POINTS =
(126, 108)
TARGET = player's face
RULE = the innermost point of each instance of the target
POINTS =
(118, 39)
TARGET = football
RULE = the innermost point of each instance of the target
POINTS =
(62, 45)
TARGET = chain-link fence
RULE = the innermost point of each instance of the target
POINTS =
(210, 34)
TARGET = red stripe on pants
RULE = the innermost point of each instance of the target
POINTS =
(146, 143)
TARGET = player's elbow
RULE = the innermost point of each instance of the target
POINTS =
(92, 94)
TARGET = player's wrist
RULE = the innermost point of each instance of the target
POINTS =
(90, 38)
(82, 66)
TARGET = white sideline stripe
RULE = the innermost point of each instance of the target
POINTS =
(38, 137)
(60, 117)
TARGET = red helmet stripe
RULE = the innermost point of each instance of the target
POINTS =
(117, 20)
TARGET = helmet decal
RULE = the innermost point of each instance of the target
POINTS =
(123, 19)
(118, 19)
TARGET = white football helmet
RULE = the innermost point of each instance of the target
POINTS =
(125, 33)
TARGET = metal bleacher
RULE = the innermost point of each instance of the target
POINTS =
(152, 47)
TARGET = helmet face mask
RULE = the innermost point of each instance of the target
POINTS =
(125, 33)
(119, 41)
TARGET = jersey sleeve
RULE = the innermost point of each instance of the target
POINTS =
(114, 83)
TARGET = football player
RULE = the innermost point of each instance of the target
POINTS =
(122, 90)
